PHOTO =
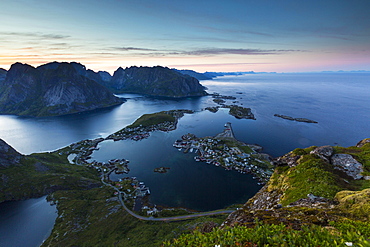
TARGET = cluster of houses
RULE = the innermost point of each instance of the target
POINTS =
(138, 133)
(82, 150)
(216, 152)
(118, 166)
(133, 190)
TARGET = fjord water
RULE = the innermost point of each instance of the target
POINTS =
(339, 102)
(26, 223)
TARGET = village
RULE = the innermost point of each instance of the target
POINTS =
(219, 152)
(222, 150)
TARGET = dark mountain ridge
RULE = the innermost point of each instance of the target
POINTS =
(155, 81)
(51, 89)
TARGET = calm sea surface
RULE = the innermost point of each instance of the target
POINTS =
(339, 102)
(26, 223)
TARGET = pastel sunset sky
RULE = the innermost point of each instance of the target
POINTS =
(203, 35)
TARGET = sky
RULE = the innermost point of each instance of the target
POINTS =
(202, 35)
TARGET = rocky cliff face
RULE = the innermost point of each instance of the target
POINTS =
(52, 89)
(8, 155)
(155, 81)
(3, 73)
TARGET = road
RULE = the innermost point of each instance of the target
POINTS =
(174, 218)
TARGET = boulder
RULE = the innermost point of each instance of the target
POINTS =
(287, 160)
(324, 152)
(347, 164)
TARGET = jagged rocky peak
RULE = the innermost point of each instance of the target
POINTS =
(155, 81)
(101, 77)
(105, 76)
(8, 155)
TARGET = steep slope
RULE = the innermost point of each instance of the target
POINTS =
(27, 176)
(155, 81)
(3, 73)
(8, 155)
(52, 89)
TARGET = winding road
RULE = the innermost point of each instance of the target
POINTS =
(174, 218)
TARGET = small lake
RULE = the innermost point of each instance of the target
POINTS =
(26, 223)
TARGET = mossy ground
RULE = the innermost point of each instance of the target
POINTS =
(314, 175)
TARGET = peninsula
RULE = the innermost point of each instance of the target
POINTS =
(225, 151)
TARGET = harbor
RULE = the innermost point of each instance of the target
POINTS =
(225, 151)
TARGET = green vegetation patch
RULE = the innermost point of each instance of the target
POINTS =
(40, 174)
(152, 119)
(96, 218)
(270, 235)
(311, 175)
(356, 203)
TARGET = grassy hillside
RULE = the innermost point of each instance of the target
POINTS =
(40, 174)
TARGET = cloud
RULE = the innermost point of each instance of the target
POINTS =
(129, 48)
(146, 52)
(35, 35)
(214, 64)
(233, 31)
(240, 51)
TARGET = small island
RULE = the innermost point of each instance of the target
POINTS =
(161, 169)
(305, 120)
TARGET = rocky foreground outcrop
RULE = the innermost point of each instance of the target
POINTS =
(155, 81)
(52, 89)
(311, 181)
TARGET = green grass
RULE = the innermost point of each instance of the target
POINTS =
(40, 174)
(152, 119)
(270, 235)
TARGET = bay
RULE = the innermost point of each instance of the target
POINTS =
(26, 223)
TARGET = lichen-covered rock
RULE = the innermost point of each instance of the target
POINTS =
(347, 164)
(313, 201)
(324, 152)
(363, 142)
(288, 159)
(264, 199)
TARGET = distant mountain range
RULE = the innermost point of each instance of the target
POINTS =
(65, 88)
(210, 75)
